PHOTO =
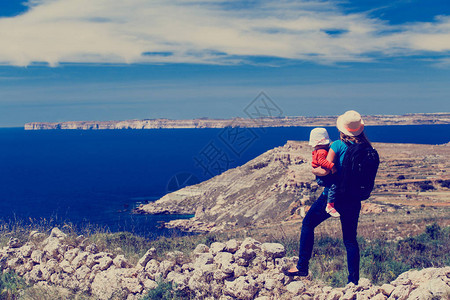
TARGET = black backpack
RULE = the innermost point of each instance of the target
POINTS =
(358, 172)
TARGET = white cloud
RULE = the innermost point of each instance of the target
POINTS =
(208, 31)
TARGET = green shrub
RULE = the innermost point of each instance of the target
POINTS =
(126, 243)
(378, 262)
(433, 230)
(381, 261)
(11, 285)
(166, 291)
(444, 183)
(426, 187)
(329, 246)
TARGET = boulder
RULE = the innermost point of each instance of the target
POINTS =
(106, 285)
(420, 294)
(80, 259)
(105, 262)
(217, 247)
(401, 292)
(244, 255)
(203, 259)
(35, 274)
(223, 259)
(166, 266)
(231, 246)
(387, 289)
(82, 273)
(201, 248)
(335, 295)
(176, 256)
(132, 285)
(241, 288)
(150, 254)
(180, 281)
(379, 297)
(52, 247)
(150, 284)
(295, 287)
(250, 243)
(273, 250)
(26, 250)
(438, 288)
(120, 262)
(152, 266)
(71, 254)
(91, 248)
(57, 233)
(66, 267)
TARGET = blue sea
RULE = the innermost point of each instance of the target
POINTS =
(98, 177)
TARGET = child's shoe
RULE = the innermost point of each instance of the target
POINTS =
(331, 210)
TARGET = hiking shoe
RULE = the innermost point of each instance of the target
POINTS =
(332, 211)
(296, 272)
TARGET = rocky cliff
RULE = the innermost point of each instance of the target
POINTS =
(269, 188)
(278, 186)
(237, 269)
(408, 119)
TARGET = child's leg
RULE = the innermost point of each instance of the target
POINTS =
(331, 197)
(332, 193)
(320, 181)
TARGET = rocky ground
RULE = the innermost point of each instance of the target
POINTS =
(277, 187)
(236, 269)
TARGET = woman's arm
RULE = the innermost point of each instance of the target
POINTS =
(331, 157)
(320, 171)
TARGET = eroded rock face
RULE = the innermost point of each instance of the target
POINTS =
(235, 269)
(278, 186)
(262, 191)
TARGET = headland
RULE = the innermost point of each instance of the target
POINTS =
(277, 187)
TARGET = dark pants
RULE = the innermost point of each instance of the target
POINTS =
(349, 222)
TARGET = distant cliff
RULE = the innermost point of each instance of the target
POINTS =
(408, 119)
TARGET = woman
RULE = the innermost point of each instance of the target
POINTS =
(351, 128)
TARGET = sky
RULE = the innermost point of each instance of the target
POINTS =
(68, 60)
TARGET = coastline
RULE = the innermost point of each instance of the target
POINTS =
(297, 121)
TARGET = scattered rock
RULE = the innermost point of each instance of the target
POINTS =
(120, 262)
(438, 288)
(92, 248)
(273, 250)
(232, 246)
(57, 233)
(151, 253)
(13, 243)
(387, 289)
(217, 247)
(295, 287)
(201, 248)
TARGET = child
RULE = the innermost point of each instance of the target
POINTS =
(320, 141)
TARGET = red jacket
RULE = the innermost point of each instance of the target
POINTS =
(319, 159)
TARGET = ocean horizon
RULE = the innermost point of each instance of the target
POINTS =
(97, 177)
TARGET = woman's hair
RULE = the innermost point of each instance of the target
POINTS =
(359, 139)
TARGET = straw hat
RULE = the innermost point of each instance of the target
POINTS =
(319, 136)
(350, 123)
